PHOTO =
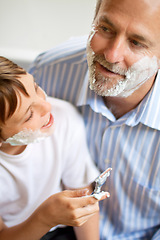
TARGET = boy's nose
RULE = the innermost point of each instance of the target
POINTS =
(43, 107)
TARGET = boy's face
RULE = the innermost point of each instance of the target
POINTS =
(33, 112)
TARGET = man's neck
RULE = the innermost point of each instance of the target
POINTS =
(119, 106)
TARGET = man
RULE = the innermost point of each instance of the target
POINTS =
(121, 112)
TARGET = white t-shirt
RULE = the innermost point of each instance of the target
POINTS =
(29, 178)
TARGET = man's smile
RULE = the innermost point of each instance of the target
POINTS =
(107, 73)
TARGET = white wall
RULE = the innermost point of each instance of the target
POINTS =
(28, 27)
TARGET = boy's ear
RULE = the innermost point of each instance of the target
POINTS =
(0, 144)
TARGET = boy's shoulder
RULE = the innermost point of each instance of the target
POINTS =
(69, 124)
(64, 109)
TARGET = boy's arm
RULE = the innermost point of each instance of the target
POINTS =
(90, 229)
(67, 208)
(28, 230)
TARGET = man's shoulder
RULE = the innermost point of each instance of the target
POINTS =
(74, 48)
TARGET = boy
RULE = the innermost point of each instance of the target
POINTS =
(34, 172)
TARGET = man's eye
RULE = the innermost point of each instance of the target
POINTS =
(137, 44)
(104, 29)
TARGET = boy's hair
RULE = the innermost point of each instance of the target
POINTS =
(9, 84)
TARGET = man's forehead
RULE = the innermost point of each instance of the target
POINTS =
(146, 11)
(152, 4)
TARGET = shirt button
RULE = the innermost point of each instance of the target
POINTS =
(107, 161)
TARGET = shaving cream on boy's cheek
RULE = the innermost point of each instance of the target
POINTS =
(26, 136)
(130, 79)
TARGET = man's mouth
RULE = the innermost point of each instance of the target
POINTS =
(49, 122)
(106, 72)
(109, 71)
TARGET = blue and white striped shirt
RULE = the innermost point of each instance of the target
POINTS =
(130, 145)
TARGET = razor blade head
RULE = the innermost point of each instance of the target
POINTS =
(101, 179)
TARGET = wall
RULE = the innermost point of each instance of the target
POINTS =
(28, 27)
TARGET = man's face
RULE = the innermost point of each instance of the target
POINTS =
(124, 46)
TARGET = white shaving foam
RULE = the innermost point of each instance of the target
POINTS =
(26, 136)
(135, 76)
(98, 196)
(90, 54)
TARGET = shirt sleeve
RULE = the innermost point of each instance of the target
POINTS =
(156, 236)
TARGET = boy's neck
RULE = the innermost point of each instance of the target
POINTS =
(12, 150)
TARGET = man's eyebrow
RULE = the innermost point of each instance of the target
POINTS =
(136, 36)
(106, 20)
(142, 39)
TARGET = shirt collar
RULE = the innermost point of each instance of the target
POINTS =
(147, 112)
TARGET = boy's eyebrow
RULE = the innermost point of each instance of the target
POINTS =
(27, 109)
(30, 105)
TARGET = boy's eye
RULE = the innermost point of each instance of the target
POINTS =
(30, 117)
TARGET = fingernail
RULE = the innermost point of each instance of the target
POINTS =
(108, 195)
(85, 191)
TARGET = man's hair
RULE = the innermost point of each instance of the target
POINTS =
(9, 86)
(98, 4)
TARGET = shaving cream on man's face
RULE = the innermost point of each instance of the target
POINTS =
(130, 79)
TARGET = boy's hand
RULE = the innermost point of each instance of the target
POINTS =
(69, 207)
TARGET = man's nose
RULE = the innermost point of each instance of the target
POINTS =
(115, 50)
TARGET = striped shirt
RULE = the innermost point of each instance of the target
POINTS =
(130, 145)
